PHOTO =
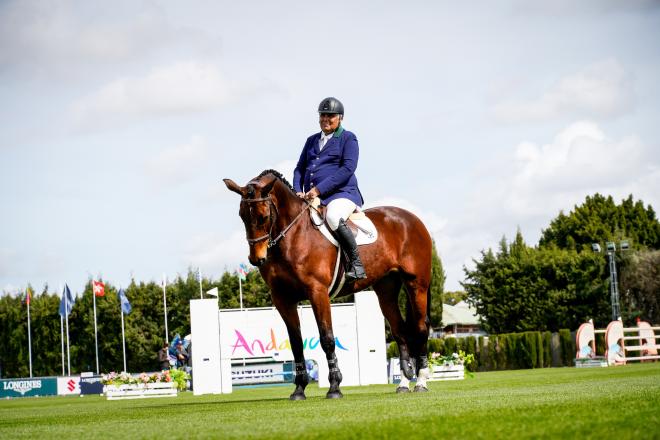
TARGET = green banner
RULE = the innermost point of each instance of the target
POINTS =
(42, 386)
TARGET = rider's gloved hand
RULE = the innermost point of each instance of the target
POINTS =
(312, 193)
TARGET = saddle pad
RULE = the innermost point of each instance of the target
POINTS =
(366, 233)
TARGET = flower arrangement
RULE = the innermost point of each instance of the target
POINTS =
(180, 377)
(460, 358)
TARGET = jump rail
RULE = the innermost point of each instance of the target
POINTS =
(615, 337)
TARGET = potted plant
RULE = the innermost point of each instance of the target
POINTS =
(450, 367)
(163, 384)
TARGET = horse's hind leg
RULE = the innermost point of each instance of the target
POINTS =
(387, 290)
(418, 324)
(289, 313)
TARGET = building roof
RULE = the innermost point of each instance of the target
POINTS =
(461, 313)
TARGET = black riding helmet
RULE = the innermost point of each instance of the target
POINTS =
(331, 106)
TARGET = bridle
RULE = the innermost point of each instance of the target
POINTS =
(273, 241)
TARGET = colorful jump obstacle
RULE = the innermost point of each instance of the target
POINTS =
(641, 339)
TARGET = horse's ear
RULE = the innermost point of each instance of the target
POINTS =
(233, 186)
(267, 188)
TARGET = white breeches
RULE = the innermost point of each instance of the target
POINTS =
(338, 209)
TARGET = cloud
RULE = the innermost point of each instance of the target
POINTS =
(531, 185)
(212, 252)
(286, 168)
(7, 258)
(178, 164)
(599, 90)
(434, 223)
(579, 161)
(178, 88)
(67, 39)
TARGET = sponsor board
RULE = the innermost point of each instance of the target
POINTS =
(261, 373)
(68, 385)
(91, 385)
(41, 386)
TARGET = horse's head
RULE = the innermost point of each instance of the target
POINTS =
(258, 210)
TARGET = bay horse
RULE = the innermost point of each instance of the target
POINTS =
(297, 263)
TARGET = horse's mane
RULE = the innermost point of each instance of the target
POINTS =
(279, 176)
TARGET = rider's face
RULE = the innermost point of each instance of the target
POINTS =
(328, 122)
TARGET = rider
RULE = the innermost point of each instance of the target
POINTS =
(326, 169)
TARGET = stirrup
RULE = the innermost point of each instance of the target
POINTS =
(356, 272)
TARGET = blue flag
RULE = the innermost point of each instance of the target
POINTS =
(125, 305)
(66, 303)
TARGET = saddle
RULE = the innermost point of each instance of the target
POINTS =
(363, 230)
(361, 226)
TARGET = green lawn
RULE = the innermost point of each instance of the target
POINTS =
(616, 402)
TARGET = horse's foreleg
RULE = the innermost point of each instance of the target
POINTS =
(289, 314)
(321, 307)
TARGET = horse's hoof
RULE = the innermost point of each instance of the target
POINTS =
(334, 395)
(421, 389)
(400, 390)
(297, 396)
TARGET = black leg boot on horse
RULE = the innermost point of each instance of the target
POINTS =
(301, 380)
(355, 271)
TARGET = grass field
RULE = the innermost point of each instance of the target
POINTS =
(617, 402)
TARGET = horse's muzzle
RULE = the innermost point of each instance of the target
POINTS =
(257, 262)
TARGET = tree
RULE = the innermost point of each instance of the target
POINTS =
(600, 219)
(640, 286)
(437, 289)
(454, 297)
(522, 288)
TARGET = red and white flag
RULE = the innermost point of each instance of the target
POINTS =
(99, 288)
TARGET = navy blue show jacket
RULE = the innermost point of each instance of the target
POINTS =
(331, 170)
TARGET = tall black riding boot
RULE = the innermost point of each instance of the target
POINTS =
(347, 242)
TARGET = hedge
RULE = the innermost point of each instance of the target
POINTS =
(506, 351)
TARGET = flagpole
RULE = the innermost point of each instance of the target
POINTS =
(240, 291)
(167, 338)
(27, 292)
(62, 339)
(66, 313)
(199, 270)
(123, 337)
(96, 340)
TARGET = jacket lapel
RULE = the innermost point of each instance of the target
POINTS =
(315, 144)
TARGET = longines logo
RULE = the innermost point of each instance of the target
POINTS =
(22, 386)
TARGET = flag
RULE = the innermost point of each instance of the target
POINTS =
(242, 271)
(66, 303)
(213, 292)
(125, 305)
(27, 296)
(99, 288)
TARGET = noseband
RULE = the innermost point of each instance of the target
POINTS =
(272, 241)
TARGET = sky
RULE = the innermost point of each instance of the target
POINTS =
(119, 119)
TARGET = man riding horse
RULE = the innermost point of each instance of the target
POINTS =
(297, 262)
(326, 169)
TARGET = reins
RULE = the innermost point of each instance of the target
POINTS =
(273, 241)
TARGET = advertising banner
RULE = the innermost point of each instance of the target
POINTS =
(91, 385)
(40, 386)
(69, 385)
(261, 373)
(252, 334)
